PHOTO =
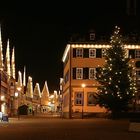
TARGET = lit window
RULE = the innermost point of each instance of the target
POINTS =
(79, 73)
(90, 98)
(92, 53)
(2, 97)
(137, 54)
(78, 98)
(79, 52)
(91, 73)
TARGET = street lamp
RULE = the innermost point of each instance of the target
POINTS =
(83, 86)
(16, 98)
(16, 94)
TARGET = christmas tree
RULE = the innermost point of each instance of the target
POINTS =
(115, 77)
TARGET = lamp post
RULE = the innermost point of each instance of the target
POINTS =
(17, 96)
(83, 86)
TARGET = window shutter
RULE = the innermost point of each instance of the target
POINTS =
(74, 73)
(132, 53)
(74, 52)
(86, 53)
(85, 73)
(98, 53)
(97, 71)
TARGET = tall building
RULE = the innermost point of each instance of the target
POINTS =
(81, 61)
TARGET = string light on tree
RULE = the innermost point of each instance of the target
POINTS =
(117, 85)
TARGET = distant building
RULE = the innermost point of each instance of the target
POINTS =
(16, 94)
(7, 79)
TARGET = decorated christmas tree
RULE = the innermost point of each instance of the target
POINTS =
(115, 77)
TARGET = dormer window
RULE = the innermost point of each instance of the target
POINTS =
(92, 36)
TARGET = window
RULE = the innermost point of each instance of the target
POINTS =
(66, 78)
(103, 52)
(3, 78)
(79, 73)
(92, 36)
(137, 54)
(78, 98)
(90, 98)
(92, 53)
(79, 52)
(138, 74)
(91, 73)
(137, 64)
(12, 84)
(4, 90)
(36, 97)
(138, 83)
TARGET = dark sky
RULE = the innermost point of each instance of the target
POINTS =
(39, 32)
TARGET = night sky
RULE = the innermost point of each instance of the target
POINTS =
(40, 31)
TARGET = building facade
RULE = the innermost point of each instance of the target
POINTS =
(16, 93)
(81, 62)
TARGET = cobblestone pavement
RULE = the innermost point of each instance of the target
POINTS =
(46, 128)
